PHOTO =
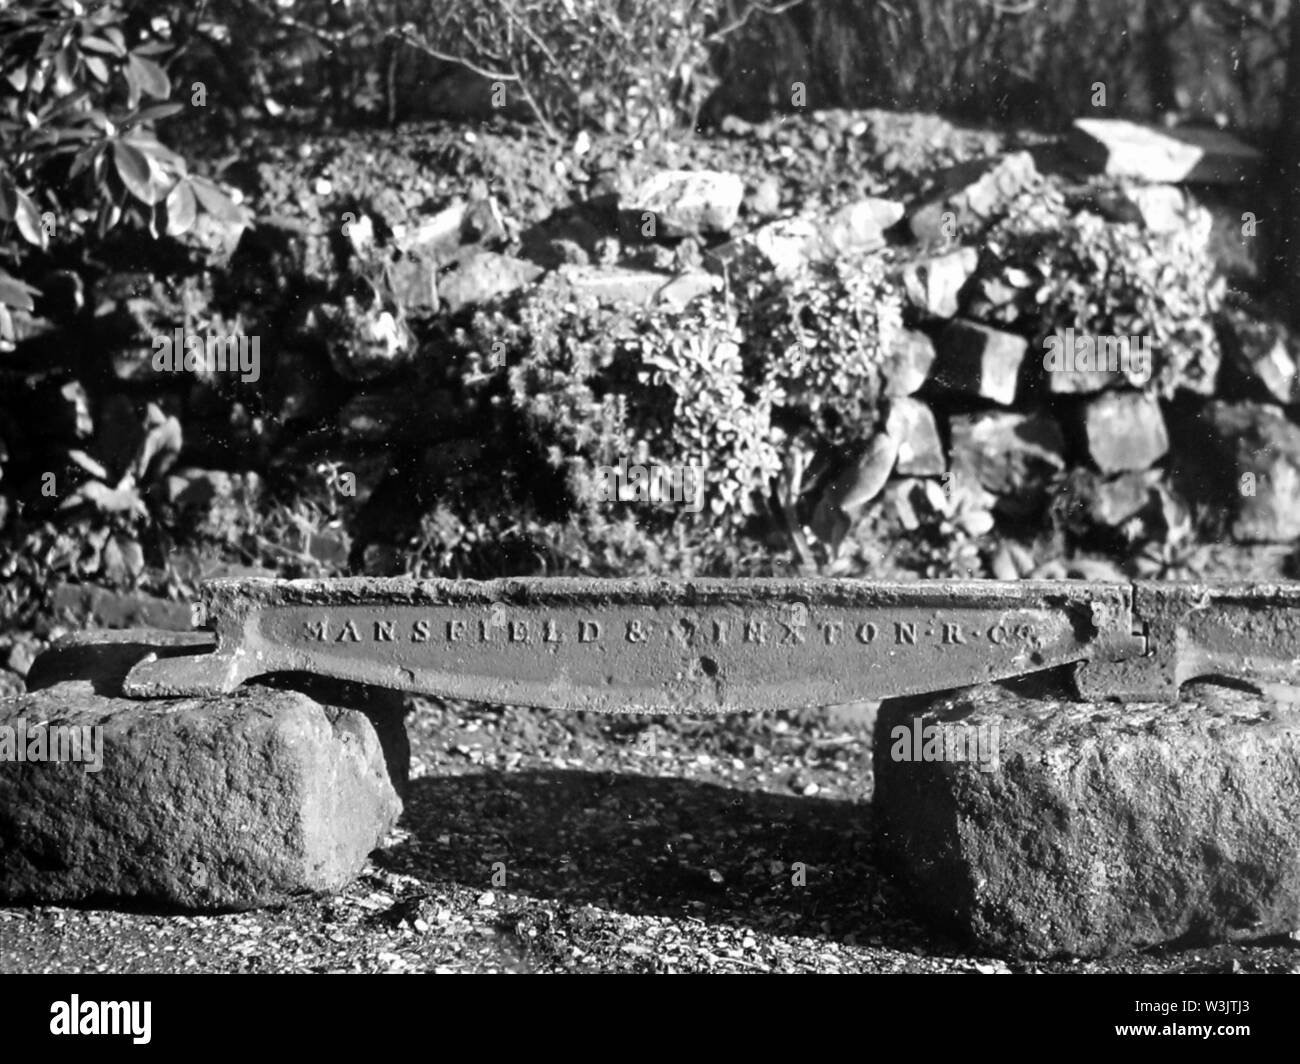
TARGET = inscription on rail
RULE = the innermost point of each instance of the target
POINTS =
(683, 631)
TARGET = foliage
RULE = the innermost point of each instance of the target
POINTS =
(700, 408)
(818, 338)
(631, 64)
(594, 385)
(80, 91)
(1047, 267)
(731, 384)
(582, 62)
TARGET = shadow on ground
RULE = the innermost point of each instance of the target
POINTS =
(650, 846)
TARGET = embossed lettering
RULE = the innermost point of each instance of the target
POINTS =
(588, 631)
(685, 632)
(349, 634)
(952, 633)
(719, 631)
(420, 632)
(997, 634)
(551, 633)
(867, 632)
(315, 630)
(756, 632)
(904, 632)
(636, 633)
(385, 631)
(793, 634)
(831, 631)
(519, 631)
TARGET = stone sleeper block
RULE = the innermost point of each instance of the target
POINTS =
(201, 803)
(1105, 827)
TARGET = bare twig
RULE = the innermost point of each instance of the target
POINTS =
(530, 33)
(763, 9)
(406, 36)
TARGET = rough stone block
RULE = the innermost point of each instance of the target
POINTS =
(920, 450)
(1157, 208)
(972, 192)
(907, 362)
(1092, 828)
(789, 245)
(414, 282)
(202, 803)
(1156, 155)
(1110, 502)
(687, 202)
(1260, 354)
(858, 226)
(933, 284)
(484, 276)
(1125, 431)
(619, 285)
(438, 236)
(978, 361)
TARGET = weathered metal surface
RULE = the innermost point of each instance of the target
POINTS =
(1247, 632)
(647, 645)
(722, 645)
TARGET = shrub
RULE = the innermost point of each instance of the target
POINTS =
(730, 384)
(699, 408)
(582, 62)
(818, 339)
(1048, 267)
(80, 92)
(593, 385)
(568, 63)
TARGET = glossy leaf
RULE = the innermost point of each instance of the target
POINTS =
(182, 209)
(16, 293)
(99, 44)
(133, 86)
(152, 114)
(215, 201)
(133, 169)
(28, 219)
(97, 67)
(151, 78)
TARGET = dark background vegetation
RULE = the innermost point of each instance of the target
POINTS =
(129, 208)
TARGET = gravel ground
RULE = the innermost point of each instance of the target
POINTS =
(617, 844)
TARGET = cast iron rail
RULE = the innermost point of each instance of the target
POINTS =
(647, 645)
